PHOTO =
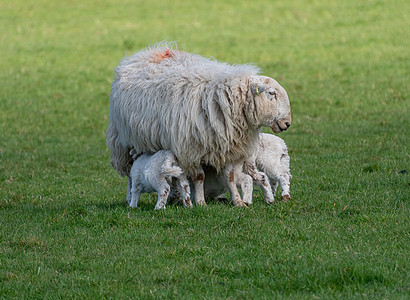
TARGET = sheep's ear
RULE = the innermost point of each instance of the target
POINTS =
(258, 88)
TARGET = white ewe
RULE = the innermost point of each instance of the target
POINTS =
(204, 111)
(154, 173)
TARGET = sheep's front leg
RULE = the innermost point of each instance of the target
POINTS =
(199, 187)
(229, 175)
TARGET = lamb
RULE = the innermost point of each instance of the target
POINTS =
(154, 173)
(206, 112)
(271, 158)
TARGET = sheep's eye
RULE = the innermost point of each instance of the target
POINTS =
(272, 93)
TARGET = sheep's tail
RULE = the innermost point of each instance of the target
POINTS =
(172, 171)
(120, 157)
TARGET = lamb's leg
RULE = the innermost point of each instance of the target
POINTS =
(185, 191)
(285, 185)
(199, 187)
(230, 179)
(261, 180)
(135, 194)
(246, 183)
(163, 192)
(175, 196)
(274, 184)
(128, 197)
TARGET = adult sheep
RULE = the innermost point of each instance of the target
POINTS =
(204, 111)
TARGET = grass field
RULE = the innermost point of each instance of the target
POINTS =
(65, 231)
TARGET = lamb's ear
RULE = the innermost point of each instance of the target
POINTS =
(257, 89)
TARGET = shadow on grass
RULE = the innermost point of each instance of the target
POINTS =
(142, 206)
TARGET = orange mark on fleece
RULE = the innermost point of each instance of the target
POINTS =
(157, 57)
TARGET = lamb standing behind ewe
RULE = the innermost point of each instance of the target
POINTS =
(204, 111)
(272, 158)
(154, 173)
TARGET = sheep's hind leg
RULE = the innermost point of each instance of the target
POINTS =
(229, 175)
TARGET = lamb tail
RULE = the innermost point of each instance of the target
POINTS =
(172, 171)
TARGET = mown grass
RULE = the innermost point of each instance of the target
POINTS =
(65, 231)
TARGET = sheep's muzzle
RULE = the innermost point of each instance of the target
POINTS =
(280, 126)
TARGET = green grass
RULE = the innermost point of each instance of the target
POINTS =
(65, 231)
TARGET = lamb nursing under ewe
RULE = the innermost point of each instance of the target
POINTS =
(205, 112)
(154, 173)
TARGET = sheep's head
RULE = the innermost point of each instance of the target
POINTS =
(271, 102)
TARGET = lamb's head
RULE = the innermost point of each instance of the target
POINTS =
(271, 102)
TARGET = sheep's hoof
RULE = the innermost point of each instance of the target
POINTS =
(201, 203)
(285, 198)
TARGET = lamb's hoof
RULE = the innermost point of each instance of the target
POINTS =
(285, 198)
(270, 202)
(241, 204)
(247, 203)
(201, 203)
(187, 203)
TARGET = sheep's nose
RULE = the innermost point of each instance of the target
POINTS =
(287, 124)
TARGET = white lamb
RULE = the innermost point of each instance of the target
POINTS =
(272, 158)
(204, 111)
(154, 173)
